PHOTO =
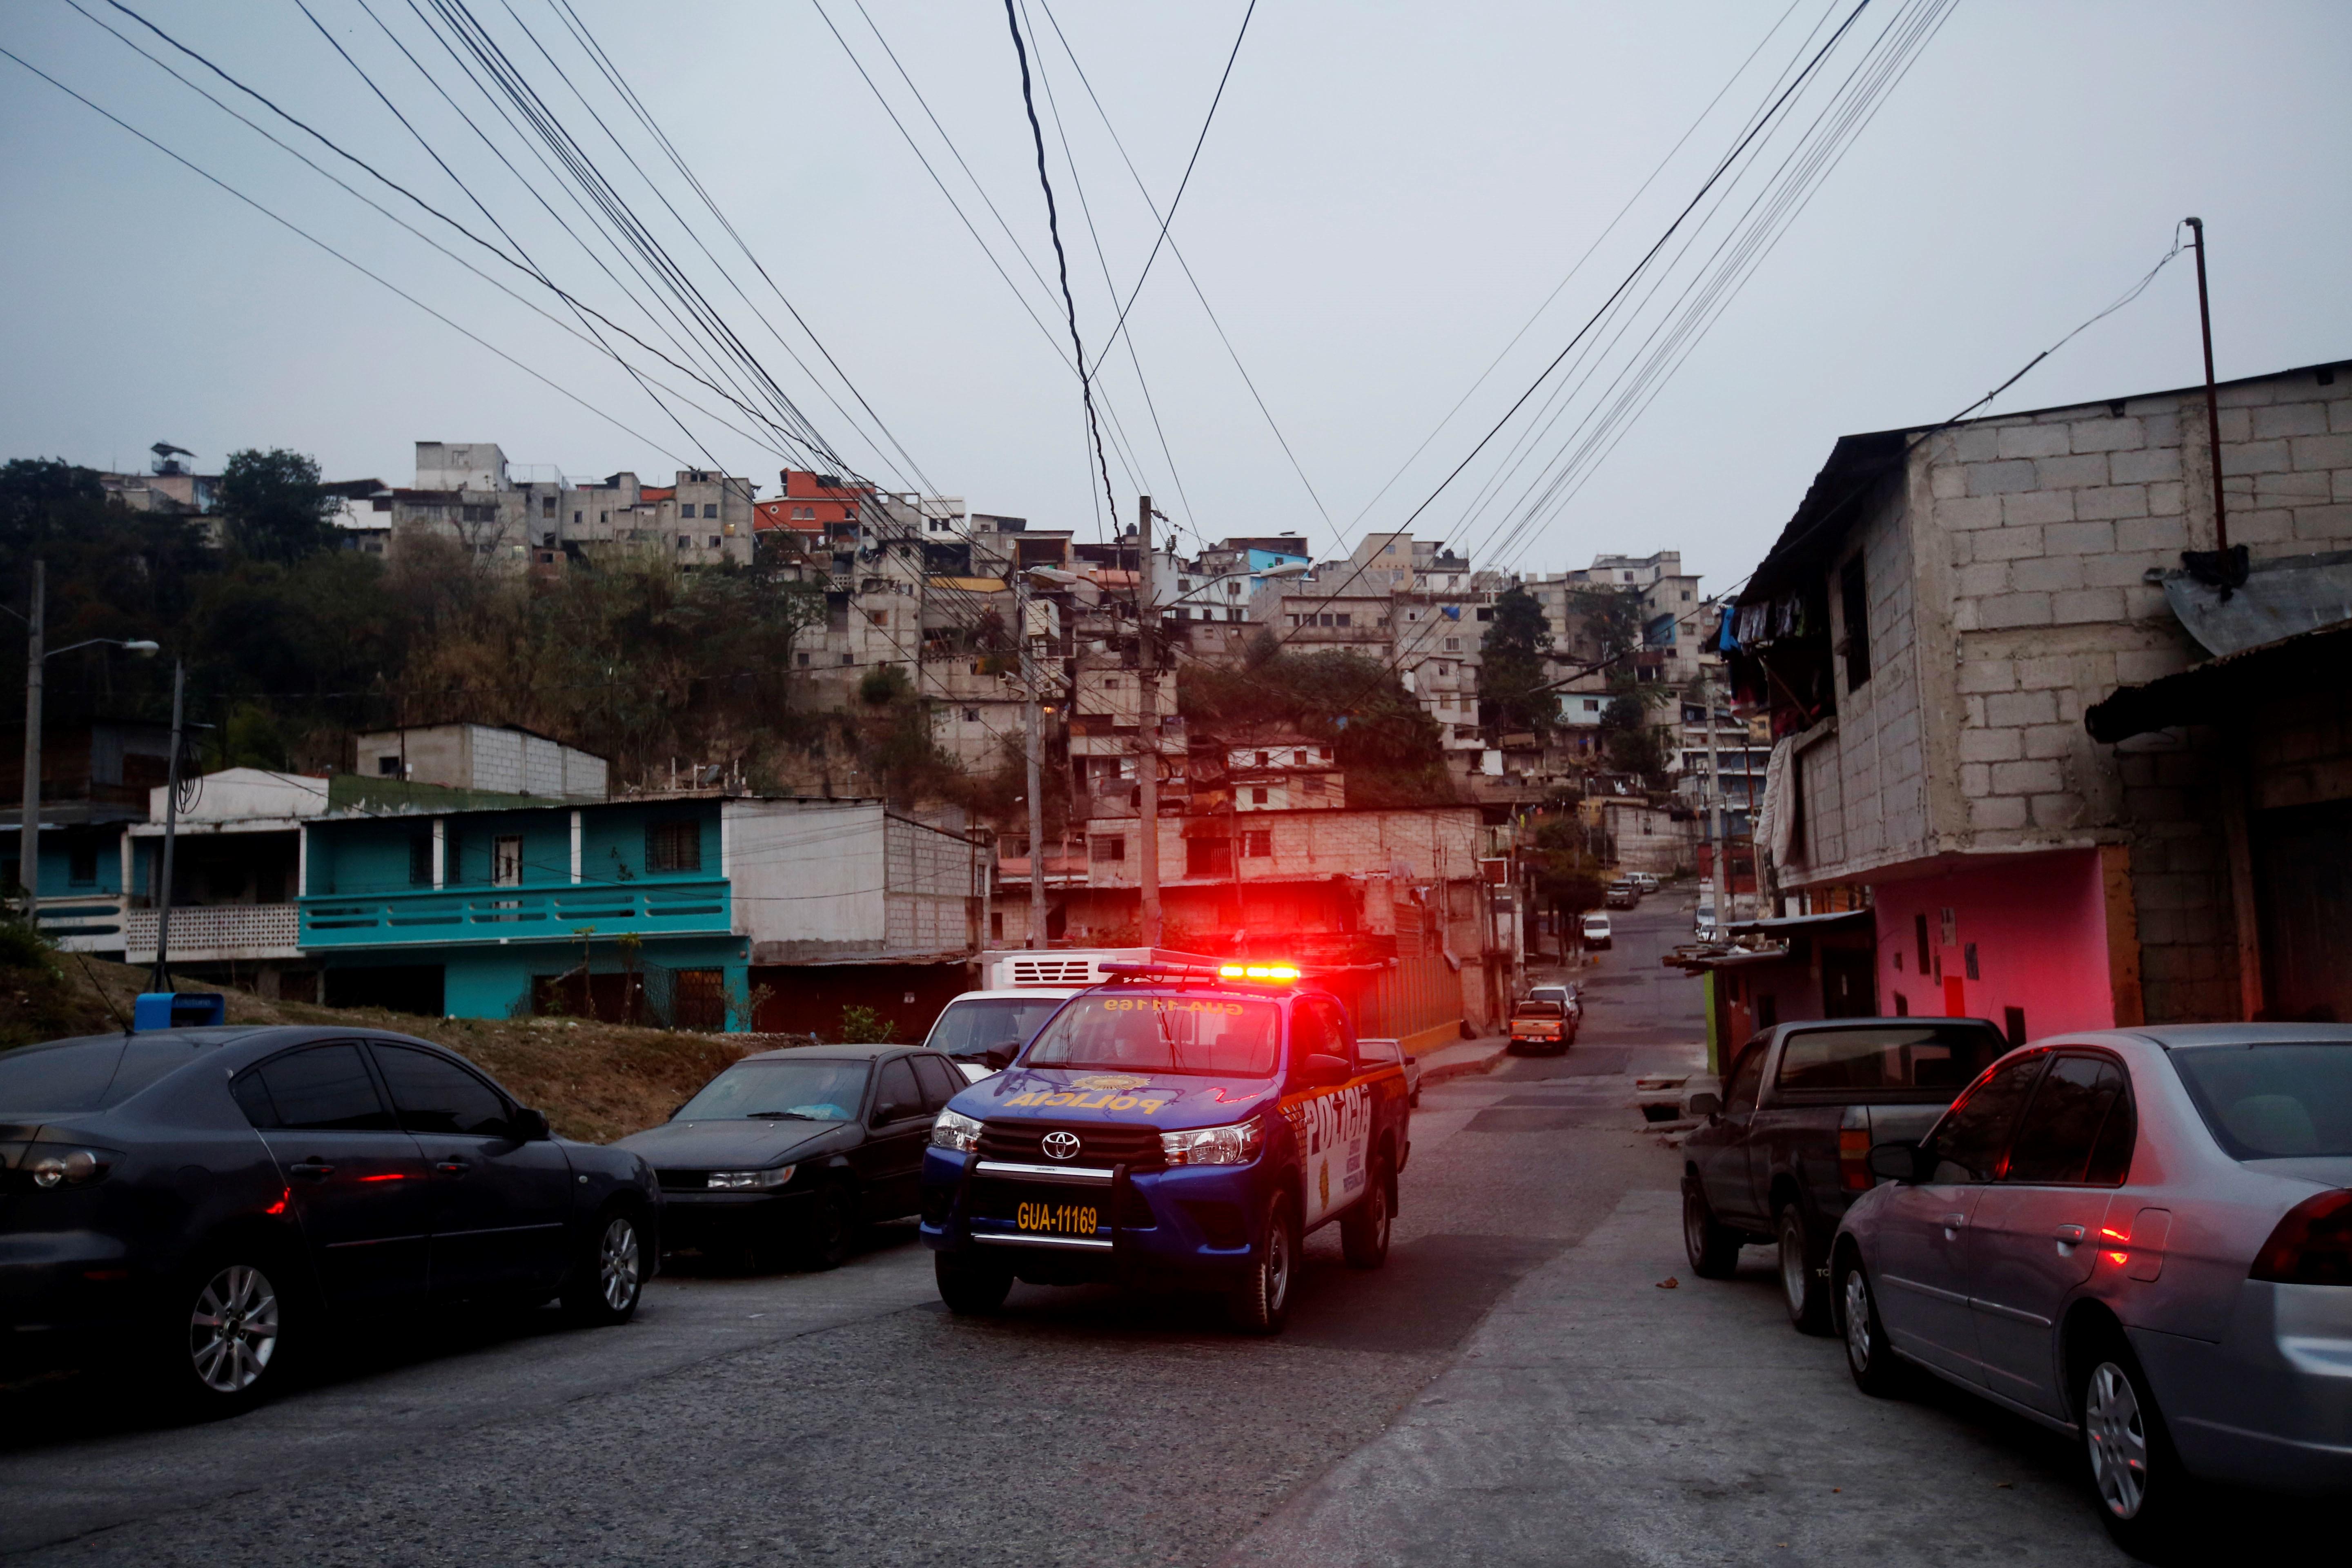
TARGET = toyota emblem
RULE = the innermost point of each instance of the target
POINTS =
(1059, 1145)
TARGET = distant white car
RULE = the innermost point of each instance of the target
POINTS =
(1596, 931)
(981, 1031)
(1646, 881)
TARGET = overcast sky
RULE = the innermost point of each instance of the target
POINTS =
(1386, 196)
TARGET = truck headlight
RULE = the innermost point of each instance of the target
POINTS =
(750, 1181)
(1235, 1146)
(956, 1132)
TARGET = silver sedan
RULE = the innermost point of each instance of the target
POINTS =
(2141, 1239)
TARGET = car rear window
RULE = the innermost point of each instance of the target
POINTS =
(1536, 1010)
(84, 1075)
(2273, 1102)
(969, 1030)
(1942, 1057)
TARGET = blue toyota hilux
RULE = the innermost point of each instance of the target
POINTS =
(1178, 1127)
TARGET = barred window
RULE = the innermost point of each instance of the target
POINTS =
(674, 846)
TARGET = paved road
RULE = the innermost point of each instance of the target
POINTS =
(1512, 1388)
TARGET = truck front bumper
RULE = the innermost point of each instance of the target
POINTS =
(1187, 1227)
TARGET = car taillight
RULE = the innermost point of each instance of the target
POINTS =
(2312, 1245)
(1853, 1159)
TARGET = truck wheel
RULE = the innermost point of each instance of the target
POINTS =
(1712, 1247)
(1261, 1303)
(1364, 1229)
(1805, 1292)
(971, 1290)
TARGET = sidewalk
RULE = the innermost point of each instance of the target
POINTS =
(1595, 1418)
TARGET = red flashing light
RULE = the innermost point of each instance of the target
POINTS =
(279, 1206)
(386, 1176)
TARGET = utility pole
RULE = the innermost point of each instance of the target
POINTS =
(1033, 746)
(1719, 835)
(1147, 721)
(163, 981)
(2212, 405)
(29, 864)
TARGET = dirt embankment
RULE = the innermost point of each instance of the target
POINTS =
(596, 1082)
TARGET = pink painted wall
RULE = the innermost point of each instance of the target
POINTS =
(2040, 926)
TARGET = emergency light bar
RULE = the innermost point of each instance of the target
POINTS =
(1248, 973)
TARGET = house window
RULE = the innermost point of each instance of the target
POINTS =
(972, 715)
(1258, 797)
(547, 506)
(710, 508)
(388, 766)
(81, 865)
(1453, 645)
(506, 860)
(1265, 758)
(803, 661)
(684, 540)
(420, 861)
(1257, 843)
(1107, 846)
(674, 846)
(1314, 783)
(1341, 619)
(1486, 614)
(1207, 857)
(848, 659)
(1854, 599)
(575, 517)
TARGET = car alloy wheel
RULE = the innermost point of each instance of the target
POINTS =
(233, 1329)
(2114, 1434)
(1859, 1347)
(618, 1266)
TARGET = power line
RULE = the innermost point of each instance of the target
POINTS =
(1061, 261)
(1181, 186)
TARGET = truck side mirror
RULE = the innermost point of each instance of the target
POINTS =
(1317, 1071)
(1707, 1105)
(1897, 1162)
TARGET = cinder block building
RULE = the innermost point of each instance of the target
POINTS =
(1930, 633)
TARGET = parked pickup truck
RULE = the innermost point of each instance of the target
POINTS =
(1539, 1027)
(1785, 1147)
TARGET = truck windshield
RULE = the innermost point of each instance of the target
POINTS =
(1227, 1036)
(1911, 1056)
(2273, 1102)
(968, 1029)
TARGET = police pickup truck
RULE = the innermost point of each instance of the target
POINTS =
(1179, 1127)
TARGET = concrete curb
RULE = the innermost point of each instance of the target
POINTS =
(1461, 1066)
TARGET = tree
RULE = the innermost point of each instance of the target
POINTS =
(1514, 687)
(1605, 619)
(1387, 744)
(273, 507)
(1567, 878)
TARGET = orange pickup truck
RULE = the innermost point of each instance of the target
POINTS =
(1539, 1027)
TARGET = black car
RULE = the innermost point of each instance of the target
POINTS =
(211, 1198)
(787, 1152)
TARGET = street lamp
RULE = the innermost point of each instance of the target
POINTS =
(28, 862)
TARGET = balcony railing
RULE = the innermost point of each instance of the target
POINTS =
(201, 932)
(513, 914)
(86, 922)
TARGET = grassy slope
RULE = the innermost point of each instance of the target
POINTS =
(596, 1082)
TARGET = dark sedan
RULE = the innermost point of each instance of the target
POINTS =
(788, 1151)
(208, 1199)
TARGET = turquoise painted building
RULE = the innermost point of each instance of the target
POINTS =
(488, 913)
